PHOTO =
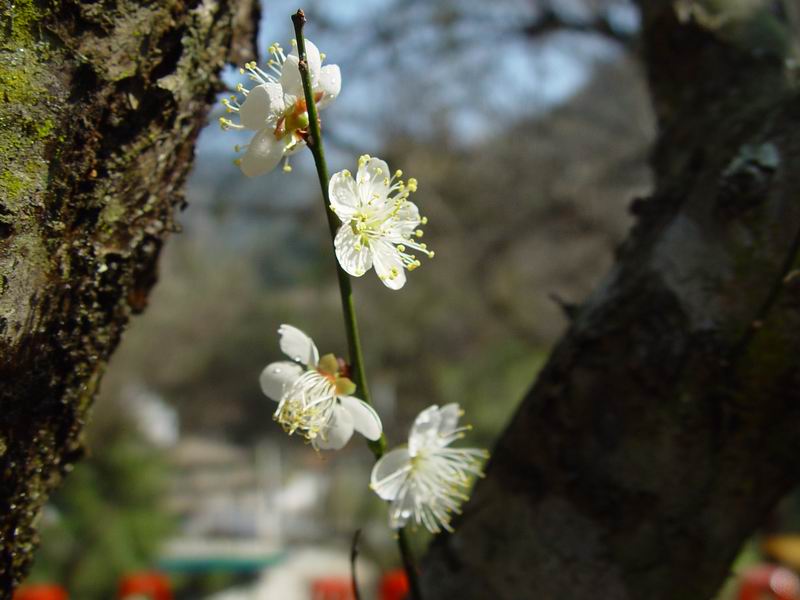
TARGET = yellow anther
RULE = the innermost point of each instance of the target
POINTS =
(412, 185)
(322, 55)
(419, 233)
(431, 254)
(398, 173)
(287, 168)
(424, 220)
(237, 162)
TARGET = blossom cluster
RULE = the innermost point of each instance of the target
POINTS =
(380, 227)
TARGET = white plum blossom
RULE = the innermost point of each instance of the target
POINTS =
(275, 109)
(427, 481)
(380, 225)
(313, 395)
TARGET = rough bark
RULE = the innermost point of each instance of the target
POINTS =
(100, 105)
(665, 425)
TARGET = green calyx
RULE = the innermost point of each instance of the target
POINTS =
(330, 366)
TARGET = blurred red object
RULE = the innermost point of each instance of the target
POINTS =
(40, 592)
(769, 582)
(331, 588)
(150, 585)
(394, 585)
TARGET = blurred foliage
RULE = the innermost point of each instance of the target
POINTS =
(106, 520)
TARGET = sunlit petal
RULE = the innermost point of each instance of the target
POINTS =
(276, 376)
(298, 346)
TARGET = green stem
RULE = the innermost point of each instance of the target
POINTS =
(314, 141)
(378, 447)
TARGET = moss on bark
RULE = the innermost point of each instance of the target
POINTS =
(100, 106)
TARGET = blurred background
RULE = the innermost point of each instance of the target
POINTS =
(527, 124)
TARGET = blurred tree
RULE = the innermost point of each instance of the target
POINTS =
(101, 104)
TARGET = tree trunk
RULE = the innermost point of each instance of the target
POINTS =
(665, 426)
(100, 106)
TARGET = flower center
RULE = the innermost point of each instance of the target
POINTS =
(307, 405)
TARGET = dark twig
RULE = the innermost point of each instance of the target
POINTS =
(408, 564)
(570, 309)
(353, 557)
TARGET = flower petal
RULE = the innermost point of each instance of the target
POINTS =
(449, 415)
(298, 346)
(314, 59)
(365, 420)
(338, 433)
(388, 264)
(354, 256)
(402, 508)
(263, 154)
(276, 376)
(262, 102)
(404, 223)
(390, 473)
(425, 430)
(290, 74)
(343, 195)
(330, 84)
(290, 77)
(374, 170)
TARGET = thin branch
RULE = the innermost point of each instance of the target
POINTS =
(549, 21)
(348, 306)
(353, 557)
(314, 141)
(409, 565)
